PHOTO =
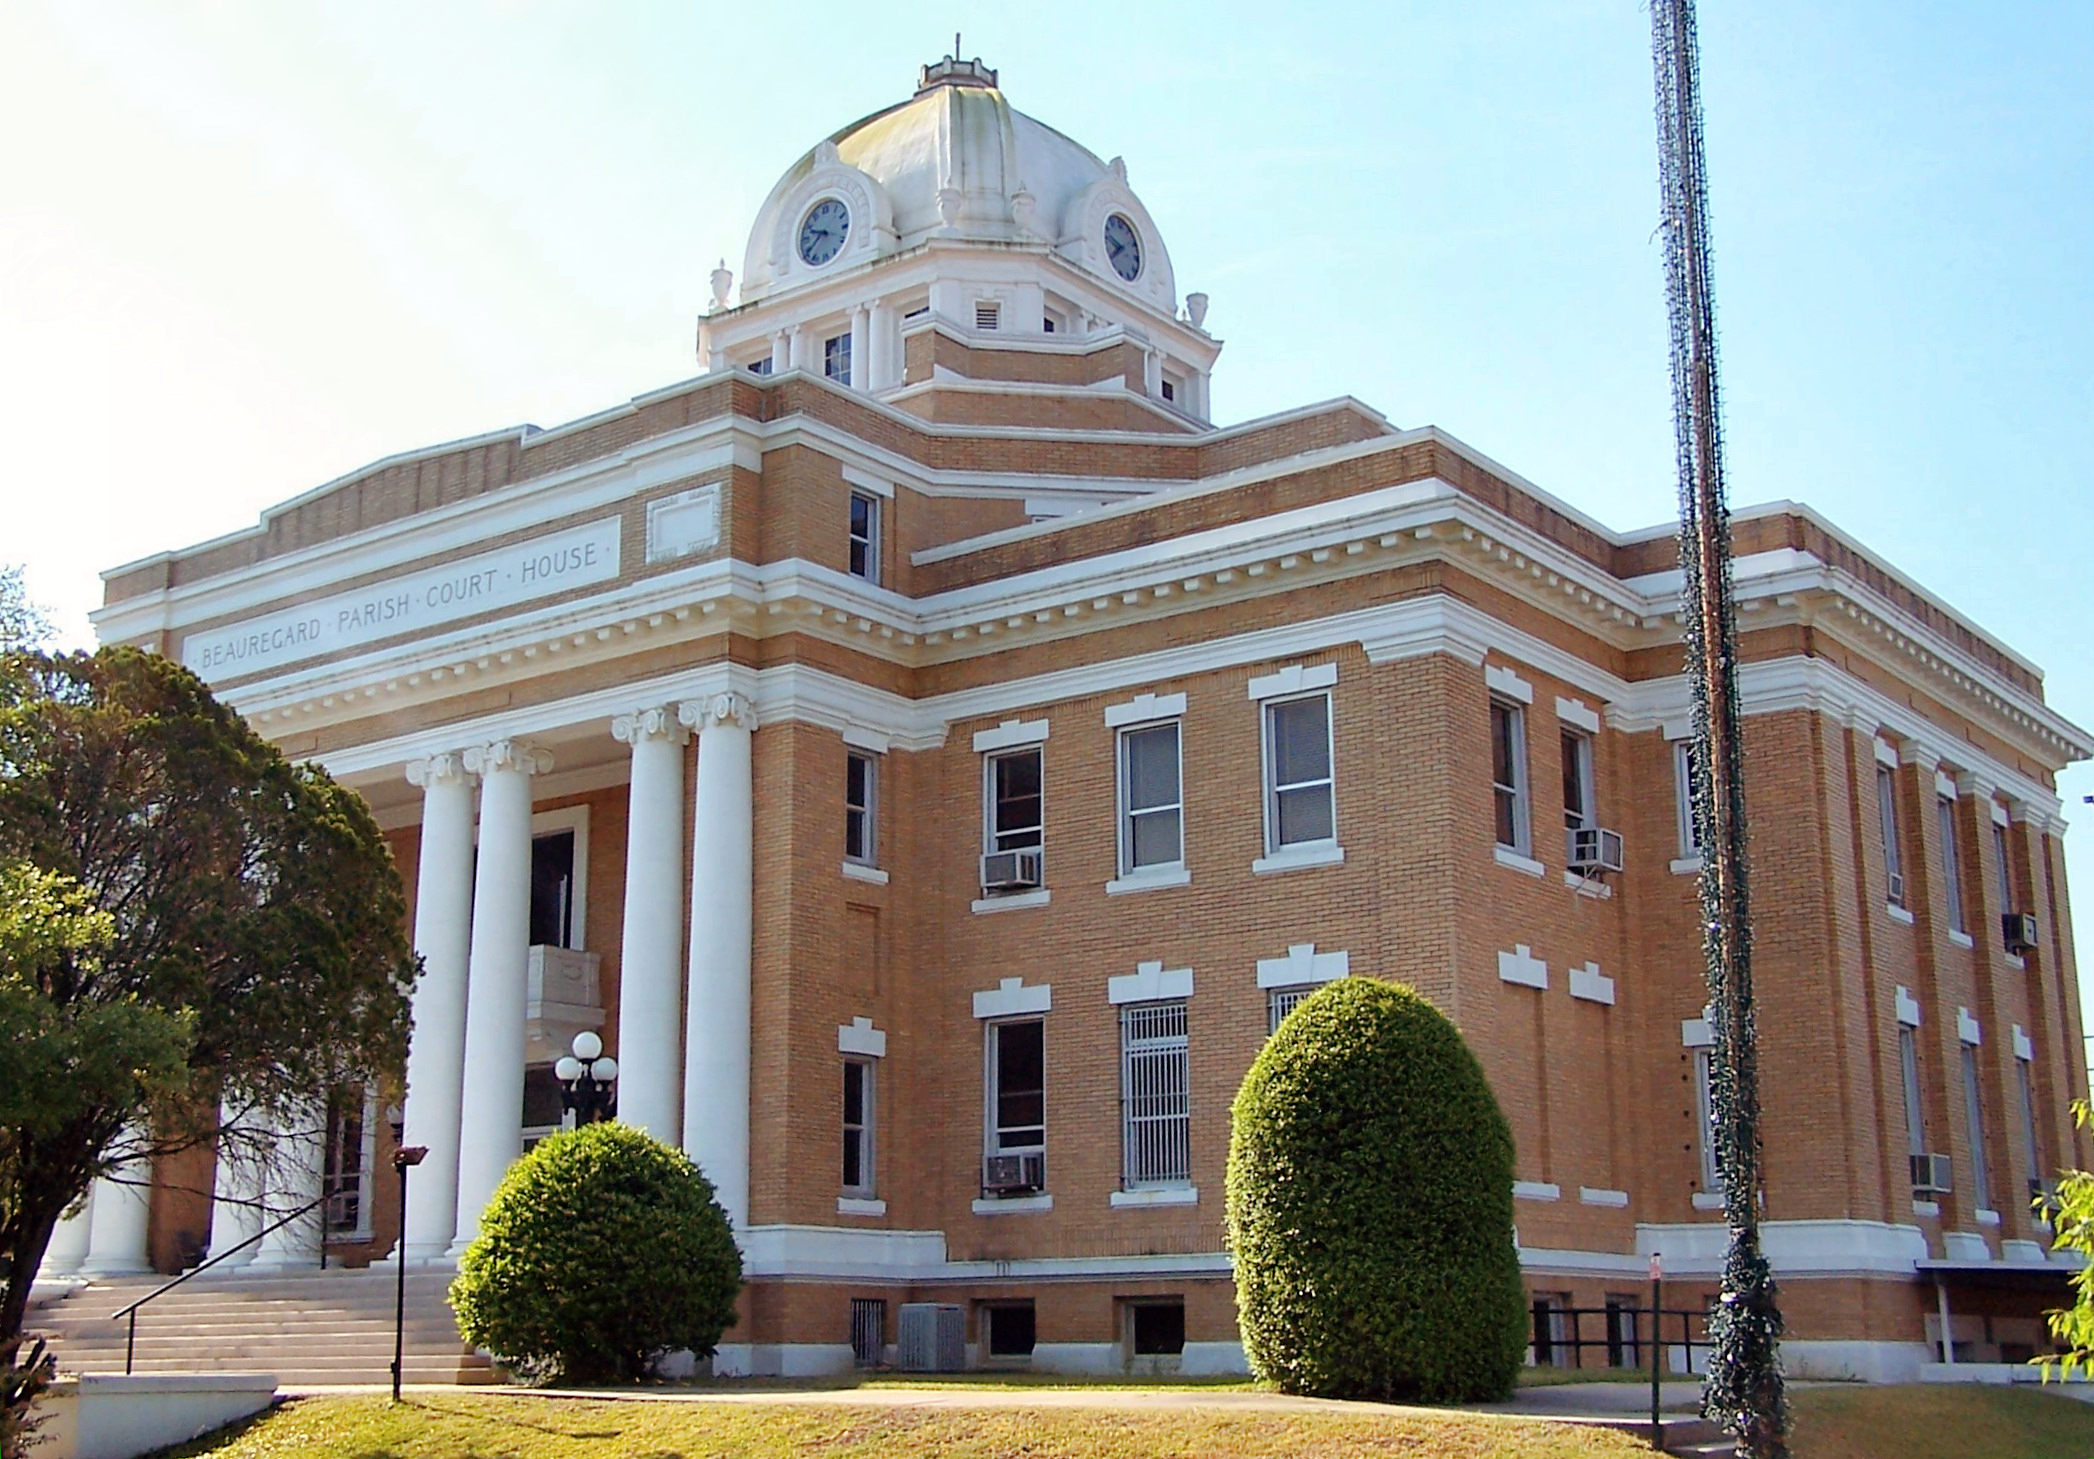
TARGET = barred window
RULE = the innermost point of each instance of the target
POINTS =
(1280, 1002)
(1156, 1123)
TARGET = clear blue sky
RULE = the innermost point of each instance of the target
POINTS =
(245, 247)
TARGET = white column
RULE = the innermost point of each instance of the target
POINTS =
(861, 350)
(296, 1171)
(723, 882)
(883, 347)
(650, 964)
(781, 353)
(802, 348)
(67, 1251)
(491, 1128)
(237, 1190)
(443, 915)
(117, 1231)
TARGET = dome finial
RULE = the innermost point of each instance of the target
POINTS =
(952, 71)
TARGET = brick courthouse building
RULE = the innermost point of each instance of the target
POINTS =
(934, 754)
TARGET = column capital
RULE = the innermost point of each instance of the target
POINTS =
(508, 755)
(659, 722)
(438, 769)
(703, 714)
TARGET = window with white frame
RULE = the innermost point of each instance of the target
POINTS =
(1580, 812)
(1705, 1116)
(1017, 1087)
(1013, 800)
(1279, 1002)
(1951, 863)
(2026, 1087)
(1300, 802)
(1152, 829)
(1683, 762)
(2003, 867)
(1915, 1107)
(1893, 851)
(1974, 1111)
(552, 889)
(861, 807)
(865, 536)
(836, 357)
(346, 1172)
(858, 1127)
(1156, 1122)
(1509, 774)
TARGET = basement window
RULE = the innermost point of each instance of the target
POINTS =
(1010, 1326)
(1156, 1329)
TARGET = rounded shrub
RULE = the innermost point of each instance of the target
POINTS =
(1370, 1206)
(601, 1251)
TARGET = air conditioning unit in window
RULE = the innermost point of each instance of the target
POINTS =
(1593, 850)
(1009, 871)
(1930, 1175)
(2018, 929)
(1012, 1175)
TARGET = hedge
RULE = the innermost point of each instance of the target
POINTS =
(1370, 1206)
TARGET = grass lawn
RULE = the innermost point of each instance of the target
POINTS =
(1959, 1421)
(497, 1426)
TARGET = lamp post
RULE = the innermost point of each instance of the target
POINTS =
(587, 1082)
(405, 1158)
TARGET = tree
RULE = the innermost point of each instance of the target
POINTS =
(2071, 1214)
(1370, 1206)
(193, 918)
(601, 1251)
(24, 626)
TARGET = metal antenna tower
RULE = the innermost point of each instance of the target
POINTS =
(1744, 1388)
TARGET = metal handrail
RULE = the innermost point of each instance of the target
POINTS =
(131, 1336)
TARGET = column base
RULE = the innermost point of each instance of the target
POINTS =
(115, 1269)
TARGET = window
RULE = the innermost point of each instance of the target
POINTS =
(865, 536)
(1047, 325)
(2027, 1089)
(987, 316)
(1915, 1111)
(544, 1111)
(2003, 865)
(1974, 1110)
(836, 358)
(1705, 1116)
(1578, 808)
(1156, 1329)
(1893, 853)
(1170, 389)
(552, 890)
(761, 367)
(1622, 1311)
(1553, 1347)
(1010, 1329)
(1951, 863)
(1156, 1124)
(861, 807)
(1152, 831)
(1017, 1087)
(1509, 773)
(1299, 806)
(1279, 1002)
(1014, 800)
(857, 1127)
(1683, 765)
(347, 1172)
(868, 1331)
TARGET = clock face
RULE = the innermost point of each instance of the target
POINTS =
(1123, 247)
(823, 230)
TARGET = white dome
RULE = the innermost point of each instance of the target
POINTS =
(956, 161)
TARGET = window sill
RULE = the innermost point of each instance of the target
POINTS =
(859, 1206)
(1506, 856)
(1036, 898)
(1587, 886)
(1149, 879)
(1710, 1201)
(1961, 939)
(858, 871)
(1014, 1205)
(1163, 1195)
(1985, 1217)
(1898, 913)
(1588, 1196)
(2014, 960)
(1925, 1208)
(1536, 1190)
(1298, 858)
(1685, 866)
